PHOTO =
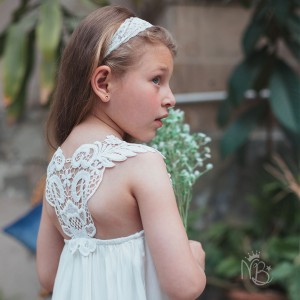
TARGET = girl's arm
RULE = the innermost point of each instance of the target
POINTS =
(178, 262)
(49, 247)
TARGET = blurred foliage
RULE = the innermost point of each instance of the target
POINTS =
(263, 90)
(278, 224)
(265, 77)
(273, 228)
(36, 33)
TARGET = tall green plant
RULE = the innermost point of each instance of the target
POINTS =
(273, 229)
(273, 83)
(36, 26)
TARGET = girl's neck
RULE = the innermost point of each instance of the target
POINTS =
(106, 125)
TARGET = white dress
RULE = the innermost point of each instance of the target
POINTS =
(90, 268)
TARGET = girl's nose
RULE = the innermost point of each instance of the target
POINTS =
(169, 100)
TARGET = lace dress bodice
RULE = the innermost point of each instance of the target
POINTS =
(71, 182)
(91, 268)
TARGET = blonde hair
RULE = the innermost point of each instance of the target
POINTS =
(73, 98)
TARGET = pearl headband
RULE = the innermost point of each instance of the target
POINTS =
(128, 29)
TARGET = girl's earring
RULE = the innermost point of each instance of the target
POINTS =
(106, 97)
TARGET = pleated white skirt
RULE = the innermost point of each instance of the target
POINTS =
(115, 269)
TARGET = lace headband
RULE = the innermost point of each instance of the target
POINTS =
(128, 29)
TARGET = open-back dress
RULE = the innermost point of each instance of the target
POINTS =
(91, 268)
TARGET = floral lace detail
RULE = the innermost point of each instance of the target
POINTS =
(71, 182)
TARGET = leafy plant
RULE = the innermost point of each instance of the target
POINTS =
(289, 181)
(265, 77)
(285, 253)
(185, 154)
(273, 228)
(264, 90)
(285, 250)
(36, 26)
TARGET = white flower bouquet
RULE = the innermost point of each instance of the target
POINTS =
(185, 155)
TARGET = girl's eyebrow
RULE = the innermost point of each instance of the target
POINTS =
(162, 68)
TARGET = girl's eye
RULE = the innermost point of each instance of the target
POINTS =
(156, 80)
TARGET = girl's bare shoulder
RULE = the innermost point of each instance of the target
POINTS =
(148, 162)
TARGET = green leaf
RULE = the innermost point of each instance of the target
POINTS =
(238, 131)
(239, 83)
(15, 110)
(293, 284)
(213, 257)
(294, 46)
(256, 27)
(292, 37)
(282, 271)
(224, 112)
(285, 96)
(29, 20)
(281, 9)
(243, 78)
(286, 249)
(217, 231)
(229, 267)
(48, 37)
(14, 62)
(251, 36)
(293, 22)
(244, 75)
(49, 27)
(18, 38)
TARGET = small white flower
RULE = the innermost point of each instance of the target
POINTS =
(185, 155)
(209, 166)
(207, 149)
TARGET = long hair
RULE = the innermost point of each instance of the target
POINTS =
(73, 97)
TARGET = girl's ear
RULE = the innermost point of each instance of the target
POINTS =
(100, 81)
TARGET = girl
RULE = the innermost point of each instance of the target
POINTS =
(110, 226)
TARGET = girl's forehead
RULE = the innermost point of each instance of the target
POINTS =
(156, 56)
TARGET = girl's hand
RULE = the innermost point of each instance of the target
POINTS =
(198, 253)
